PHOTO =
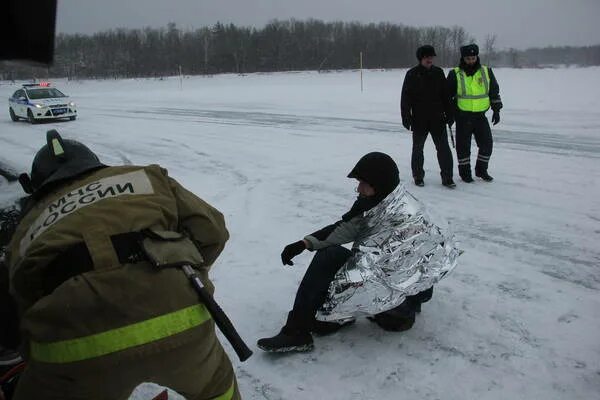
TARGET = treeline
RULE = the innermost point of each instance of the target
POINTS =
(278, 46)
(548, 56)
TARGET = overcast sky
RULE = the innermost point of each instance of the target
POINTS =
(517, 23)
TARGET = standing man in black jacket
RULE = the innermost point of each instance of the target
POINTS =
(473, 90)
(425, 107)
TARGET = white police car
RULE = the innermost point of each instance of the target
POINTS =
(39, 101)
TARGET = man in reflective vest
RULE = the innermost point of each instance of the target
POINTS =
(93, 269)
(473, 89)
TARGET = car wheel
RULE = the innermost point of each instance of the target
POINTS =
(72, 118)
(13, 116)
(30, 117)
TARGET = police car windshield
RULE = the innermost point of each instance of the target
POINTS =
(44, 93)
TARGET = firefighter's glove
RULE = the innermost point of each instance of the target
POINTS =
(292, 250)
(496, 117)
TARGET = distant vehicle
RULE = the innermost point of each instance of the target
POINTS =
(39, 101)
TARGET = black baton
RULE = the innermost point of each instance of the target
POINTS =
(218, 315)
(452, 137)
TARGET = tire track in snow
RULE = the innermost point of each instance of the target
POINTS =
(586, 146)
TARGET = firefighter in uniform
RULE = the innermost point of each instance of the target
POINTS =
(473, 89)
(94, 271)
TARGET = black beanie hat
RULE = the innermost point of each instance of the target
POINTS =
(378, 170)
(469, 50)
(425, 51)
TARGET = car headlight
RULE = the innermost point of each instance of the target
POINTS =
(39, 106)
(72, 104)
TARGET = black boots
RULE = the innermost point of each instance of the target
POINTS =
(323, 328)
(397, 319)
(481, 171)
(287, 340)
(449, 183)
(465, 173)
(402, 317)
(483, 175)
(294, 336)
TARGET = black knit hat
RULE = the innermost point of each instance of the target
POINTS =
(469, 50)
(425, 51)
(378, 170)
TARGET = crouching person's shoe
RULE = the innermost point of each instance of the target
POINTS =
(398, 319)
(287, 341)
(323, 328)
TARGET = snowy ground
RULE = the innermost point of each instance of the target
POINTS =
(518, 317)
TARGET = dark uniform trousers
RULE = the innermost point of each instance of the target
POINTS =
(444, 155)
(473, 124)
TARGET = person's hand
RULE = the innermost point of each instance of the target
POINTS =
(407, 122)
(496, 117)
(292, 250)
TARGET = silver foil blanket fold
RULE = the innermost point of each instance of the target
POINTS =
(401, 252)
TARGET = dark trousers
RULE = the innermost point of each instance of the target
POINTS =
(467, 125)
(314, 287)
(444, 155)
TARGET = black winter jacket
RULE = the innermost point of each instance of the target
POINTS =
(424, 97)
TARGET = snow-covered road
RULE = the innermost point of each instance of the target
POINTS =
(518, 318)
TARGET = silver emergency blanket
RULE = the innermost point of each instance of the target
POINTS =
(401, 251)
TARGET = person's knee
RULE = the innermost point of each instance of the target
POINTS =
(333, 251)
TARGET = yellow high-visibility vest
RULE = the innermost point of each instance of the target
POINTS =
(473, 92)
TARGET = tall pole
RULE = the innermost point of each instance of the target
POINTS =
(180, 78)
(361, 73)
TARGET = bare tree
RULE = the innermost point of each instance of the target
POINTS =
(514, 58)
(489, 48)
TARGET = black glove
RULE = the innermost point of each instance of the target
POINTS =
(292, 250)
(407, 122)
(496, 117)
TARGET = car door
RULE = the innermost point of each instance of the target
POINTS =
(20, 105)
(12, 103)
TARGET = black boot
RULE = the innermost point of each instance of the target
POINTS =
(328, 327)
(397, 319)
(286, 341)
(419, 182)
(481, 171)
(294, 336)
(418, 299)
(483, 175)
(465, 173)
(449, 183)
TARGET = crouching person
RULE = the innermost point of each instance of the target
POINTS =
(387, 231)
(94, 271)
